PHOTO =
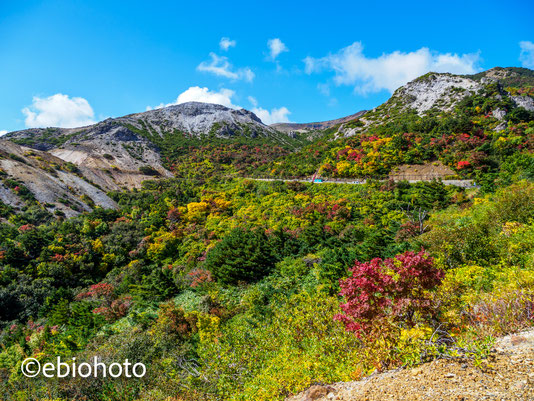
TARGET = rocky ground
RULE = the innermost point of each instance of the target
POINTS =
(421, 171)
(508, 374)
(52, 183)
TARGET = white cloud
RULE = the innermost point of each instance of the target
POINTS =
(204, 95)
(252, 101)
(58, 111)
(279, 115)
(197, 94)
(276, 46)
(220, 66)
(389, 71)
(226, 43)
(527, 54)
(3, 132)
(276, 115)
(324, 89)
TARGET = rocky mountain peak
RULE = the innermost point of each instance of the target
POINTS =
(442, 92)
(196, 118)
(435, 90)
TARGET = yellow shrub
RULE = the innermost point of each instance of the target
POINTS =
(97, 245)
(197, 210)
(208, 326)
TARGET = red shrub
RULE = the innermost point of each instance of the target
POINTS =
(391, 289)
(117, 309)
(462, 164)
(98, 291)
(174, 215)
(26, 227)
(407, 230)
(57, 258)
(198, 277)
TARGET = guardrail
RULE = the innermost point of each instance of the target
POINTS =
(414, 177)
(363, 180)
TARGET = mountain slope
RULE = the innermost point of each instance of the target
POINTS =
(471, 124)
(198, 119)
(442, 92)
(199, 139)
(154, 139)
(28, 175)
(432, 91)
(438, 91)
(509, 376)
(317, 126)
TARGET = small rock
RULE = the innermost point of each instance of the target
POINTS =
(450, 375)
(499, 114)
(316, 392)
(515, 340)
(416, 371)
(501, 127)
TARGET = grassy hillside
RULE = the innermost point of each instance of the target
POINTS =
(204, 155)
(471, 140)
(240, 279)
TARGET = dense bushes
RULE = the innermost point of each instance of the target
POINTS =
(243, 255)
(229, 289)
(300, 345)
(148, 170)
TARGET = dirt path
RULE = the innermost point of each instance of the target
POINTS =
(509, 376)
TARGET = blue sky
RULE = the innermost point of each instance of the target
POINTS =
(68, 63)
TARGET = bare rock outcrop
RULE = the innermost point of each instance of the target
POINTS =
(54, 183)
(442, 91)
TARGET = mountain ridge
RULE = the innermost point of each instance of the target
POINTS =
(191, 118)
(321, 125)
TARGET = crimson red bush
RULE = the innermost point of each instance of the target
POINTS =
(391, 289)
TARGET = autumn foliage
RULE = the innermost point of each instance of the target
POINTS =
(394, 289)
(111, 306)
